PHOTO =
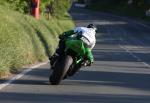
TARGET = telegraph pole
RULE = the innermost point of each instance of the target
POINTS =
(35, 8)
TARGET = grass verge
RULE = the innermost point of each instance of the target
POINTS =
(25, 40)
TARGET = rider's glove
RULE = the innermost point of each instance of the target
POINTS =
(90, 62)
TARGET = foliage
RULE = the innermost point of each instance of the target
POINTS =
(44, 4)
(60, 7)
(18, 5)
(54, 7)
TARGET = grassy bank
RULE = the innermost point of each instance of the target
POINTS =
(24, 40)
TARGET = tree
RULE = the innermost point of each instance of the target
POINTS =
(51, 7)
(19, 5)
(56, 7)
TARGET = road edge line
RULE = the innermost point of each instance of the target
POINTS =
(8, 82)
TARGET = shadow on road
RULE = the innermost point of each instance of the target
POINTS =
(34, 77)
(69, 98)
(129, 80)
(118, 79)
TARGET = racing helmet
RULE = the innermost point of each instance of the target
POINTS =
(92, 26)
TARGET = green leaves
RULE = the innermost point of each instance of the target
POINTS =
(52, 7)
(18, 5)
(56, 7)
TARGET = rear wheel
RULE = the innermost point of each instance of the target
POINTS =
(60, 69)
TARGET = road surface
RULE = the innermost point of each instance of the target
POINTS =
(120, 74)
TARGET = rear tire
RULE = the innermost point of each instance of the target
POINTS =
(60, 69)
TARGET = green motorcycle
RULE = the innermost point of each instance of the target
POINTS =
(75, 55)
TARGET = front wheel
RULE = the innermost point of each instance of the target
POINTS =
(60, 69)
(74, 70)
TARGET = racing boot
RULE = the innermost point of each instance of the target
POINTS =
(53, 58)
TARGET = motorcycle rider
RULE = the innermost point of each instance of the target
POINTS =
(86, 34)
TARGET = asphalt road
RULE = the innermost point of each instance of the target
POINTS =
(120, 74)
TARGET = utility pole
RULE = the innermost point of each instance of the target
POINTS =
(35, 8)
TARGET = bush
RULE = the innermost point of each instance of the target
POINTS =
(60, 7)
(18, 5)
(56, 7)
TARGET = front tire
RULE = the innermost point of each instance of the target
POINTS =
(74, 70)
(60, 69)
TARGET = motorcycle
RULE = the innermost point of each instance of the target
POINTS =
(72, 59)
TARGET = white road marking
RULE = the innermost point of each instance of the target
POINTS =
(20, 75)
(130, 52)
